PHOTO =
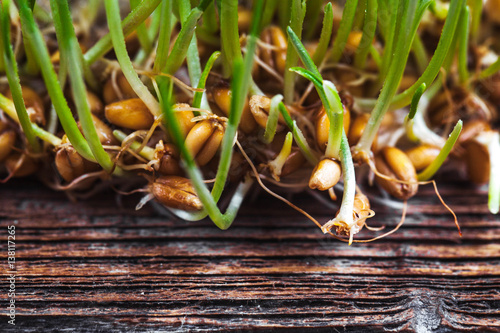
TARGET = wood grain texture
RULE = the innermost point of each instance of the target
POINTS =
(98, 266)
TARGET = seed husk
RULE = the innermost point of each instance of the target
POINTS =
(395, 164)
(72, 165)
(168, 155)
(293, 163)
(325, 175)
(130, 113)
(259, 106)
(175, 192)
(20, 165)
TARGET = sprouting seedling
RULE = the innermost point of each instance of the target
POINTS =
(345, 28)
(298, 10)
(326, 34)
(409, 15)
(36, 41)
(198, 96)
(369, 28)
(68, 44)
(337, 146)
(9, 61)
(413, 111)
(463, 33)
(240, 84)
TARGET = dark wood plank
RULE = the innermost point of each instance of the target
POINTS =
(95, 266)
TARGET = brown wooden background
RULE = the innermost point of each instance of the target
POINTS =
(93, 266)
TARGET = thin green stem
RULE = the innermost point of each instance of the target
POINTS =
(411, 14)
(344, 30)
(369, 29)
(129, 24)
(326, 34)
(142, 32)
(230, 38)
(34, 37)
(428, 172)
(198, 96)
(118, 40)
(463, 44)
(272, 120)
(193, 57)
(163, 44)
(420, 54)
(68, 44)
(10, 109)
(297, 18)
(13, 77)
(491, 70)
(476, 9)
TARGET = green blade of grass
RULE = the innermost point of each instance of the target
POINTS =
(326, 34)
(69, 48)
(443, 154)
(13, 77)
(369, 29)
(34, 37)
(344, 30)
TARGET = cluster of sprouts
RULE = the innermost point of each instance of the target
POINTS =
(194, 101)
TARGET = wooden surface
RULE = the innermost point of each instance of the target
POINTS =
(92, 266)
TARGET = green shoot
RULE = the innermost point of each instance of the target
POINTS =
(298, 11)
(326, 34)
(69, 48)
(198, 96)
(35, 39)
(164, 36)
(491, 70)
(277, 164)
(272, 120)
(476, 7)
(13, 77)
(369, 28)
(118, 40)
(230, 38)
(411, 14)
(428, 172)
(344, 30)
(463, 41)
(10, 109)
(129, 24)
(142, 32)
(193, 58)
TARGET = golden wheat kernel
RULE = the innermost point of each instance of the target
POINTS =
(176, 192)
(422, 156)
(259, 108)
(21, 165)
(394, 164)
(34, 105)
(244, 19)
(222, 98)
(130, 113)
(7, 141)
(198, 136)
(279, 41)
(210, 148)
(477, 159)
(353, 40)
(357, 128)
(325, 175)
(184, 118)
(323, 126)
(103, 131)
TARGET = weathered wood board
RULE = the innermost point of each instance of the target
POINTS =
(94, 266)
